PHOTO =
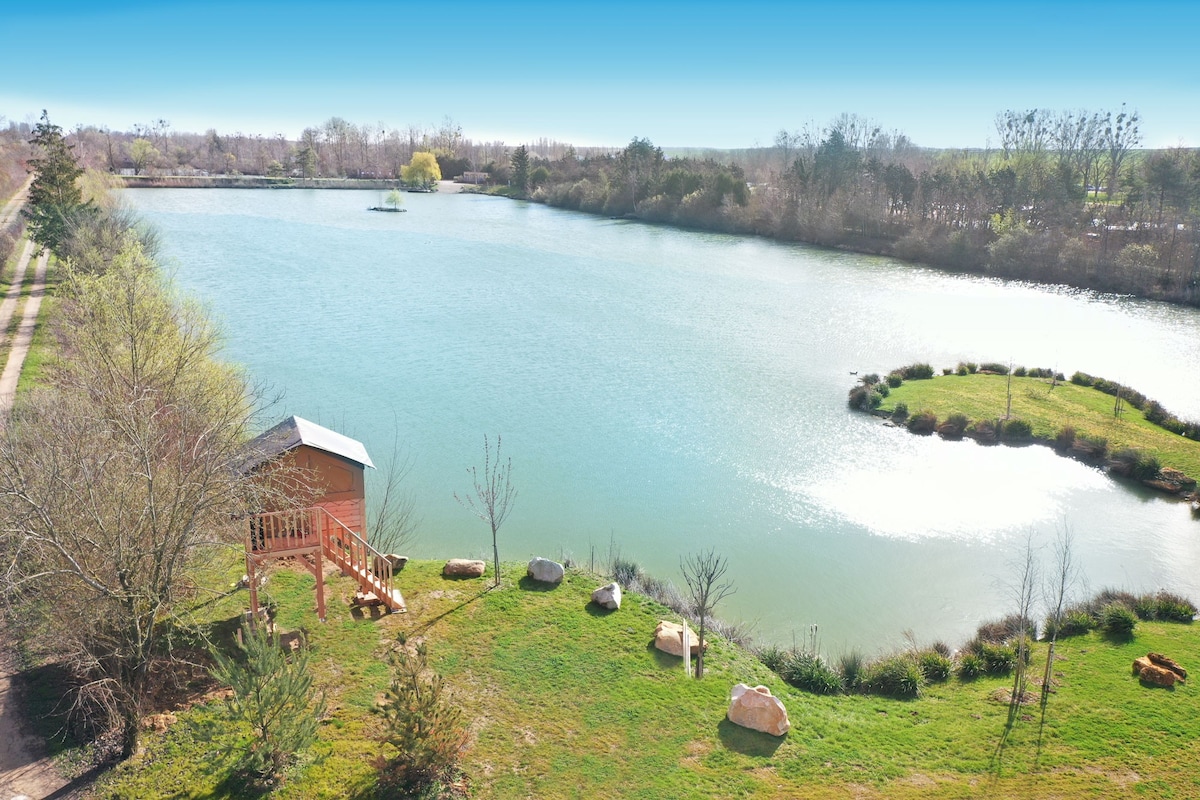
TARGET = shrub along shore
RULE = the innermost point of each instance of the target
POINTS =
(1088, 418)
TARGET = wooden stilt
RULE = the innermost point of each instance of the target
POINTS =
(253, 576)
(320, 575)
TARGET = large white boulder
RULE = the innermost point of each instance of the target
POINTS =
(546, 571)
(608, 596)
(668, 637)
(758, 710)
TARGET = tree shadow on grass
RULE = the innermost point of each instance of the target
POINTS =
(528, 584)
(746, 741)
(429, 623)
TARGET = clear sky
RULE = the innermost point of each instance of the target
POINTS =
(682, 74)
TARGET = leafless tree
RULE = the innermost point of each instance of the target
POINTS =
(117, 479)
(394, 523)
(491, 495)
(704, 575)
(1062, 580)
(1023, 592)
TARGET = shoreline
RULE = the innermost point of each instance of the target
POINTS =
(1128, 460)
(869, 246)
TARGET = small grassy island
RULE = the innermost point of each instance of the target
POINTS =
(1084, 417)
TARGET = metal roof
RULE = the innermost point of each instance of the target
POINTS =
(295, 431)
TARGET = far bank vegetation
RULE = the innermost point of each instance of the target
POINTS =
(1065, 196)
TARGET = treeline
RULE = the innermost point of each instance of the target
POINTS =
(1064, 197)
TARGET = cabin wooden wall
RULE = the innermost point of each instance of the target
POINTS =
(336, 483)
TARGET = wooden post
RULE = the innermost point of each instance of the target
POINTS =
(320, 574)
(687, 649)
(253, 576)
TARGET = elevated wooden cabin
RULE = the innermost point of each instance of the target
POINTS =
(330, 522)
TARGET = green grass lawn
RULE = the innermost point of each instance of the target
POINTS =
(1048, 410)
(571, 701)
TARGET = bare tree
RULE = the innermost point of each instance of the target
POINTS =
(1023, 591)
(1066, 573)
(117, 479)
(704, 573)
(491, 495)
(394, 523)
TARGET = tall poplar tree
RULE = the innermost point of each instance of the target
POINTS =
(54, 195)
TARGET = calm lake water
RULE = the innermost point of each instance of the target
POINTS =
(668, 391)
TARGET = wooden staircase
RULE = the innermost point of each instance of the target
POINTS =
(312, 535)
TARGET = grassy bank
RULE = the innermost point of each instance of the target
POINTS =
(1048, 409)
(569, 701)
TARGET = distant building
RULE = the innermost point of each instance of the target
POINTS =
(473, 178)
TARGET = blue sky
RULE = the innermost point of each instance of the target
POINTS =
(681, 74)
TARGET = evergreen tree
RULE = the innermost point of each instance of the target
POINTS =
(427, 731)
(520, 169)
(274, 696)
(54, 195)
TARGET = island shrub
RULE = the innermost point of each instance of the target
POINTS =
(1042, 372)
(1154, 412)
(1082, 379)
(1076, 621)
(998, 659)
(808, 671)
(1095, 447)
(1019, 372)
(923, 422)
(871, 378)
(772, 656)
(970, 666)
(1065, 438)
(1133, 463)
(1118, 620)
(894, 379)
(954, 426)
(860, 397)
(934, 666)
(1005, 629)
(896, 676)
(882, 389)
(851, 665)
(961, 369)
(1109, 595)
(1165, 607)
(993, 366)
(626, 572)
(865, 398)
(947, 370)
(983, 431)
(1016, 430)
(972, 367)
(900, 412)
(916, 372)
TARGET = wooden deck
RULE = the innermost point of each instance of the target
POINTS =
(312, 535)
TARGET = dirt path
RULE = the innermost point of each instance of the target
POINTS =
(23, 772)
(9, 212)
(14, 290)
(23, 338)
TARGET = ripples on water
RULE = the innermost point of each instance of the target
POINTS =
(668, 391)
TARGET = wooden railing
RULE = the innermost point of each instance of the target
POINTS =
(354, 555)
(282, 530)
(277, 532)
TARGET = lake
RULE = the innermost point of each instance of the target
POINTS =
(663, 391)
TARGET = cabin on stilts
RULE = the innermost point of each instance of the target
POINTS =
(327, 470)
